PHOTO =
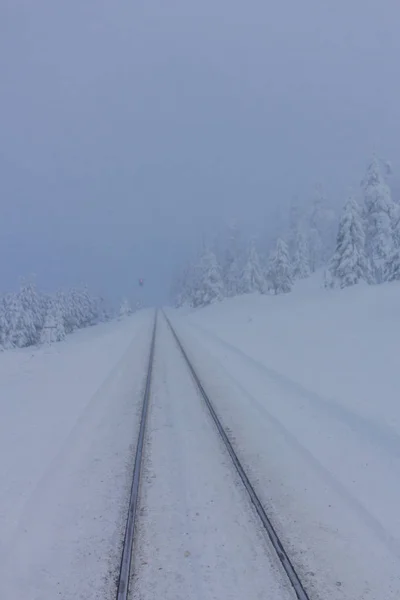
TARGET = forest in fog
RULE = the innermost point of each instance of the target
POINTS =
(361, 243)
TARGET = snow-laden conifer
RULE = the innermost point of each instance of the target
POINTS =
(349, 264)
(208, 284)
(279, 269)
(252, 277)
(379, 212)
(301, 258)
(125, 308)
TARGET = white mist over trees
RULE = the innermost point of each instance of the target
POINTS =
(30, 317)
(360, 244)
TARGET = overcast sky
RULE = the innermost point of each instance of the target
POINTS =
(127, 126)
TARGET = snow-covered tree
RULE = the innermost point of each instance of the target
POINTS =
(3, 324)
(252, 277)
(321, 235)
(125, 308)
(25, 315)
(18, 326)
(32, 312)
(79, 308)
(182, 287)
(379, 216)
(53, 328)
(279, 269)
(231, 264)
(295, 219)
(349, 264)
(208, 285)
(301, 258)
(393, 266)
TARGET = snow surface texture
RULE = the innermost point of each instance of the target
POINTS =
(198, 536)
(307, 386)
(69, 419)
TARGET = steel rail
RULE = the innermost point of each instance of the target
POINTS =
(125, 568)
(293, 577)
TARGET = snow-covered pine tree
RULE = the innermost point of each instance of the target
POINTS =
(322, 224)
(182, 287)
(3, 324)
(393, 266)
(185, 288)
(294, 219)
(125, 308)
(252, 277)
(59, 332)
(31, 312)
(53, 328)
(18, 330)
(279, 269)
(379, 210)
(208, 284)
(231, 265)
(79, 309)
(301, 259)
(349, 264)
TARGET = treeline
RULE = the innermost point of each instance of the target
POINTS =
(30, 317)
(361, 244)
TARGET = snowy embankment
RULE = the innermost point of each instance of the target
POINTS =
(68, 423)
(308, 385)
(343, 344)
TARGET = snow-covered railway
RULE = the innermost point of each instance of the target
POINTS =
(195, 526)
(126, 560)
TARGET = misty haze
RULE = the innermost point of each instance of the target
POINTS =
(199, 300)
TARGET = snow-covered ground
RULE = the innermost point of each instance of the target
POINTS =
(198, 537)
(69, 417)
(308, 386)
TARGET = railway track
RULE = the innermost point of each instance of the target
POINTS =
(123, 592)
(126, 560)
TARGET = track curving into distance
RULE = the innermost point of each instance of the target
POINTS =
(125, 568)
(294, 578)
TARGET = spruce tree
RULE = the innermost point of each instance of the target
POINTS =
(208, 283)
(379, 210)
(125, 309)
(252, 278)
(301, 260)
(349, 264)
(231, 263)
(280, 270)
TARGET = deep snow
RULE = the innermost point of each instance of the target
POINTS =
(308, 386)
(69, 414)
(198, 536)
